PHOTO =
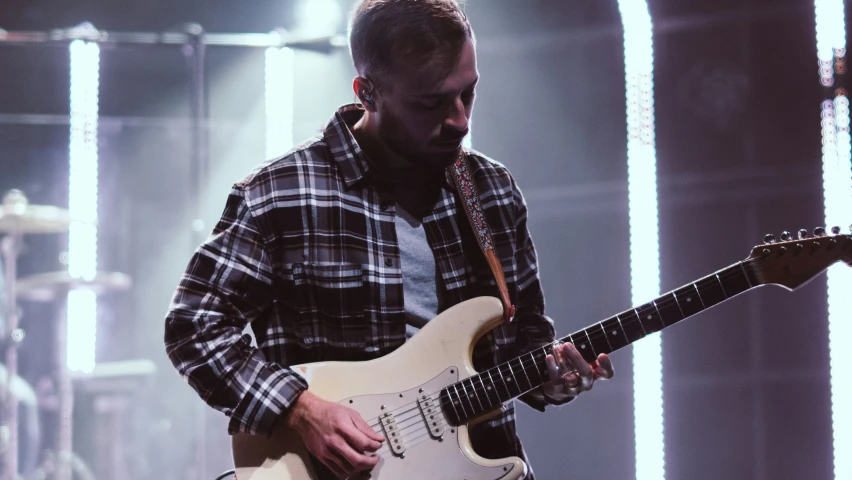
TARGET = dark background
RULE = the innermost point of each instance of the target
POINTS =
(746, 385)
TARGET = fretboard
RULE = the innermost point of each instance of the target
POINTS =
(479, 394)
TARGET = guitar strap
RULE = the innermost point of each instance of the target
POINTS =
(472, 207)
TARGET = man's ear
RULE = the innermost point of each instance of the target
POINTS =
(364, 91)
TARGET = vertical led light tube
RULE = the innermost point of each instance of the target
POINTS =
(279, 99)
(83, 203)
(644, 234)
(837, 185)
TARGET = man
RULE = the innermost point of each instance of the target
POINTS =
(346, 246)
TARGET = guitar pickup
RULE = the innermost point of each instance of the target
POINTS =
(392, 433)
(431, 415)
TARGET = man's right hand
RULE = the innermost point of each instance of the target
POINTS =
(335, 434)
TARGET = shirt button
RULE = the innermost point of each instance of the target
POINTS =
(388, 262)
(384, 206)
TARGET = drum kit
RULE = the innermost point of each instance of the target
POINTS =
(24, 459)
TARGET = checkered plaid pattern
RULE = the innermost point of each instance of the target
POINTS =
(306, 253)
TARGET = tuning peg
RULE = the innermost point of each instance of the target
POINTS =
(786, 236)
(803, 234)
(769, 238)
(835, 230)
(819, 232)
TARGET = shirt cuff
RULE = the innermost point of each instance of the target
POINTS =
(271, 393)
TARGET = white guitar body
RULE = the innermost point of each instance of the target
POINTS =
(439, 355)
(393, 393)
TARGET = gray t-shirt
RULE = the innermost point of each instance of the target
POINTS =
(419, 283)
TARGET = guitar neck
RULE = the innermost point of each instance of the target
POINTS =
(481, 393)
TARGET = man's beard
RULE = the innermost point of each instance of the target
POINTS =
(398, 140)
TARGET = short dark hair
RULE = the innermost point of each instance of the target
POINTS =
(388, 35)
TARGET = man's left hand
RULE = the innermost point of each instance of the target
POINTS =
(571, 375)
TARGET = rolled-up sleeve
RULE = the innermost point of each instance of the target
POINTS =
(227, 285)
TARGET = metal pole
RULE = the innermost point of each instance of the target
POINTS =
(11, 336)
(194, 51)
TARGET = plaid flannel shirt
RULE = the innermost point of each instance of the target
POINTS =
(306, 253)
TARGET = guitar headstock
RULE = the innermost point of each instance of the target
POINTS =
(793, 262)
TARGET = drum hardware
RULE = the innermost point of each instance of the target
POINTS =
(53, 287)
(18, 218)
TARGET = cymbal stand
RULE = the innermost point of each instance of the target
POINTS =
(66, 394)
(10, 246)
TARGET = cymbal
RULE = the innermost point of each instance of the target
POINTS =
(47, 287)
(18, 216)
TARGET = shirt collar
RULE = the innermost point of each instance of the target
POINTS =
(347, 154)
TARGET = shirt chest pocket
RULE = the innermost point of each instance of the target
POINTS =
(330, 300)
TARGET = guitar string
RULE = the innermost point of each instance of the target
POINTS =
(409, 439)
(523, 363)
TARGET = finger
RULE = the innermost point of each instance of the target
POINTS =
(367, 430)
(359, 440)
(606, 368)
(562, 357)
(334, 464)
(570, 376)
(577, 362)
(552, 369)
(584, 370)
(353, 462)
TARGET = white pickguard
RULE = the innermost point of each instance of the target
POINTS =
(434, 358)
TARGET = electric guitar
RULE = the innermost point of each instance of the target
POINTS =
(422, 396)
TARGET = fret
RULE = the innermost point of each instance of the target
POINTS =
(464, 397)
(724, 292)
(650, 318)
(735, 280)
(614, 334)
(598, 338)
(536, 366)
(695, 287)
(458, 402)
(461, 401)
(484, 390)
(688, 300)
(445, 398)
(505, 385)
(583, 345)
(473, 394)
(745, 274)
(632, 327)
(512, 379)
(493, 387)
(523, 369)
(669, 311)
(545, 351)
(711, 291)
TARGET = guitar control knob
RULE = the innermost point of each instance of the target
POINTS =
(769, 238)
(819, 232)
(786, 236)
(835, 230)
(803, 234)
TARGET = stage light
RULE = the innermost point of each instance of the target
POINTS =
(837, 187)
(83, 203)
(279, 100)
(644, 234)
(319, 17)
